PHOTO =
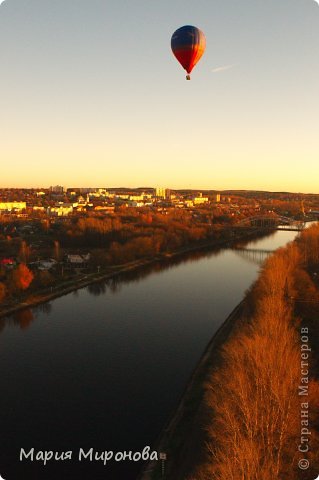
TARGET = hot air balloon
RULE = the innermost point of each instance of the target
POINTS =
(188, 44)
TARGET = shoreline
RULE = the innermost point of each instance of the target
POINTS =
(188, 409)
(54, 292)
(180, 419)
(178, 439)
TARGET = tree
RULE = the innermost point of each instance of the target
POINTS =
(24, 252)
(44, 279)
(57, 252)
(3, 291)
(22, 277)
(252, 405)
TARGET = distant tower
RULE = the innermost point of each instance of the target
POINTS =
(57, 189)
(160, 192)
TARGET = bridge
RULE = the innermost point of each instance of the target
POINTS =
(271, 222)
(253, 255)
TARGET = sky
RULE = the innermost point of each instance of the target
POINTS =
(91, 95)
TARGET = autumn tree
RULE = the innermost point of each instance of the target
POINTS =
(57, 250)
(22, 277)
(24, 251)
(252, 403)
(3, 291)
(44, 278)
(309, 245)
(255, 405)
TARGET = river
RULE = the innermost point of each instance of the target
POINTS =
(104, 367)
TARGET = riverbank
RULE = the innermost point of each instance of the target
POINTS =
(64, 288)
(182, 438)
(137, 336)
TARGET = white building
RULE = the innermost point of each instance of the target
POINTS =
(200, 199)
(61, 210)
(13, 206)
(78, 260)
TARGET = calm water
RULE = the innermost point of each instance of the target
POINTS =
(104, 367)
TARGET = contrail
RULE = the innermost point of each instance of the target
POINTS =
(223, 67)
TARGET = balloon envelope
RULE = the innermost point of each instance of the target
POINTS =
(188, 44)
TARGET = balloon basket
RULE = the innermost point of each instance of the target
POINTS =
(188, 77)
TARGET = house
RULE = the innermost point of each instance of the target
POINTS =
(8, 263)
(47, 264)
(77, 260)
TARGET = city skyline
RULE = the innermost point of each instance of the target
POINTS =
(121, 187)
(92, 95)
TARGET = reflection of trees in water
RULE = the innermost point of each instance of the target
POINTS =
(43, 308)
(138, 274)
(252, 241)
(24, 318)
(21, 319)
(115, 283)
(2, 324)
(97, 289)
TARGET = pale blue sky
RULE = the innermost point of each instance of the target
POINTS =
(91, 94)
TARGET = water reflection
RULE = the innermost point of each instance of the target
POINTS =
(42, 308)
(255, 257)
(21, 318)
(256, 241)
(97, 289)
(24, 318)
(107, 372)
(138, 274)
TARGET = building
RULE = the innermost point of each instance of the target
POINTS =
(133, 203)
(168, 194)
(57, 189)
(200, 199)
(122, 196)
(13, 206)
(78, 260)
(8, 263)
(160, 192)
(47, 264)
(105, 208)
(61, 210)
(137, 198)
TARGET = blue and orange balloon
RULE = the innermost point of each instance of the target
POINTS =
(188, 44)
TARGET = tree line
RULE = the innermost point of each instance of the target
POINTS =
(125, 236)
(254, 418)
